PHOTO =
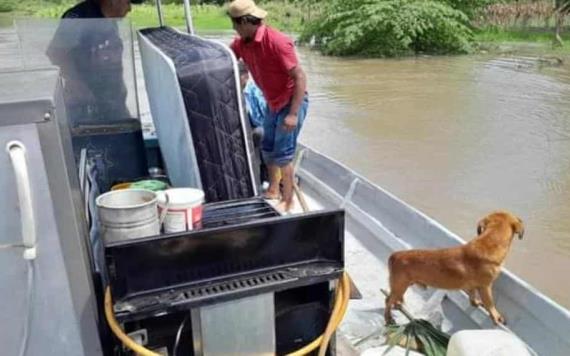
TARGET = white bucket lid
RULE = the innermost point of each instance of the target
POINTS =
(181, 197)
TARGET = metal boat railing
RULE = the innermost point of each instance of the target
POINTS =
(187, 15)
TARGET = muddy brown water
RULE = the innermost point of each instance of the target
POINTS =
(458, 137)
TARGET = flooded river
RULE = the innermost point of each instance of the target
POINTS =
(456, 137)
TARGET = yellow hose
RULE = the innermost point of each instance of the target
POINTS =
(342, 295)
(315, 343)
(329, 331)
(130, 343)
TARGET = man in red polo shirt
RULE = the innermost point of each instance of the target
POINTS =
(272, 62)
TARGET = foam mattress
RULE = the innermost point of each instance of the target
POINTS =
(195, 102)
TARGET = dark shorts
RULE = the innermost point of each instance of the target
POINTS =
(278, 145)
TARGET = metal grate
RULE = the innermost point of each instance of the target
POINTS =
(237, 212)
(235, 285)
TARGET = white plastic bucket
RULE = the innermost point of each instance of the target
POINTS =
(128, 214)
(181, 208)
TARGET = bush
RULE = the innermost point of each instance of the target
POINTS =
(389, 28)
(6, 6)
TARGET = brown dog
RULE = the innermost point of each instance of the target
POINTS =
(472, 267)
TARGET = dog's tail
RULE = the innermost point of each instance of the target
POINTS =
(391, 261)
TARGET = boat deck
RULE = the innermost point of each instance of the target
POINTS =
(377, 224)
(370, 274)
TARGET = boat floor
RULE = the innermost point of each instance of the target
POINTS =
(364, 316)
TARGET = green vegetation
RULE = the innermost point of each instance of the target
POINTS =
(213, 17)
(389, 28)
(282, 14)
(403, 27)
(521, 42)
(6, 6)
(428, 339)
(491, 34)
(366, 27)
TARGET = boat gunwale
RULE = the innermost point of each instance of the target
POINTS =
(542, 308)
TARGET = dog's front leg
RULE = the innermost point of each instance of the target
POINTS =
(473, 297)
(388, 313)
(487, 296)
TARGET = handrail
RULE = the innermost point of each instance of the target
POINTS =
(188, 16)
(159, 12)
(17, 152)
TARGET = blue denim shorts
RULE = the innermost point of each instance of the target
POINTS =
(278, 146)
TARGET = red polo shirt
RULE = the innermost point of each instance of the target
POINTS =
(269, 57)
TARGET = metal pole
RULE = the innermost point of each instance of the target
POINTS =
(159, 12)
(188, 15)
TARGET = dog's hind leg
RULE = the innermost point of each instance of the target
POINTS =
(397, 289)
(487, 296)
(473, 297)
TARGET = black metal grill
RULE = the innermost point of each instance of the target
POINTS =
(243, 248)
(236, 212)
(232, 286)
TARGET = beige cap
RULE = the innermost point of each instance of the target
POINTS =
(239, 8)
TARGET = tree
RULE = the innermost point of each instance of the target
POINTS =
(389, 28)
(561, 9)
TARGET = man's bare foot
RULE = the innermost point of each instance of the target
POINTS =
(271, 196)
(285, 207)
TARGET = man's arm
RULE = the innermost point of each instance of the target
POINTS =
(235, 48)
(300, 79)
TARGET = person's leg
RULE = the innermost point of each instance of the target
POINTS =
(267, 147)
(288, 175)
(284, 152)
(257, 135)
(263, 174)
(274, 180)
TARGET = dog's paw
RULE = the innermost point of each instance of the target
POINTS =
(499, 319)
(476, 303)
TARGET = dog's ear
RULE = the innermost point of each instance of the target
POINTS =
(518, 228)
(481, 225)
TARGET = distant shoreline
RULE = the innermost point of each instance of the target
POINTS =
(286, 17)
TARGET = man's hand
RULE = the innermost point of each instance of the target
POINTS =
(290, 122)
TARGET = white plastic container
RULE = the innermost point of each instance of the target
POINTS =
(183, 208)
(485, 343)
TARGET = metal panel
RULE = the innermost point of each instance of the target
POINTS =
(241, 327)
(25, 96)
(53, 327)
(63, 180)
(101, 51)
(301, 247)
